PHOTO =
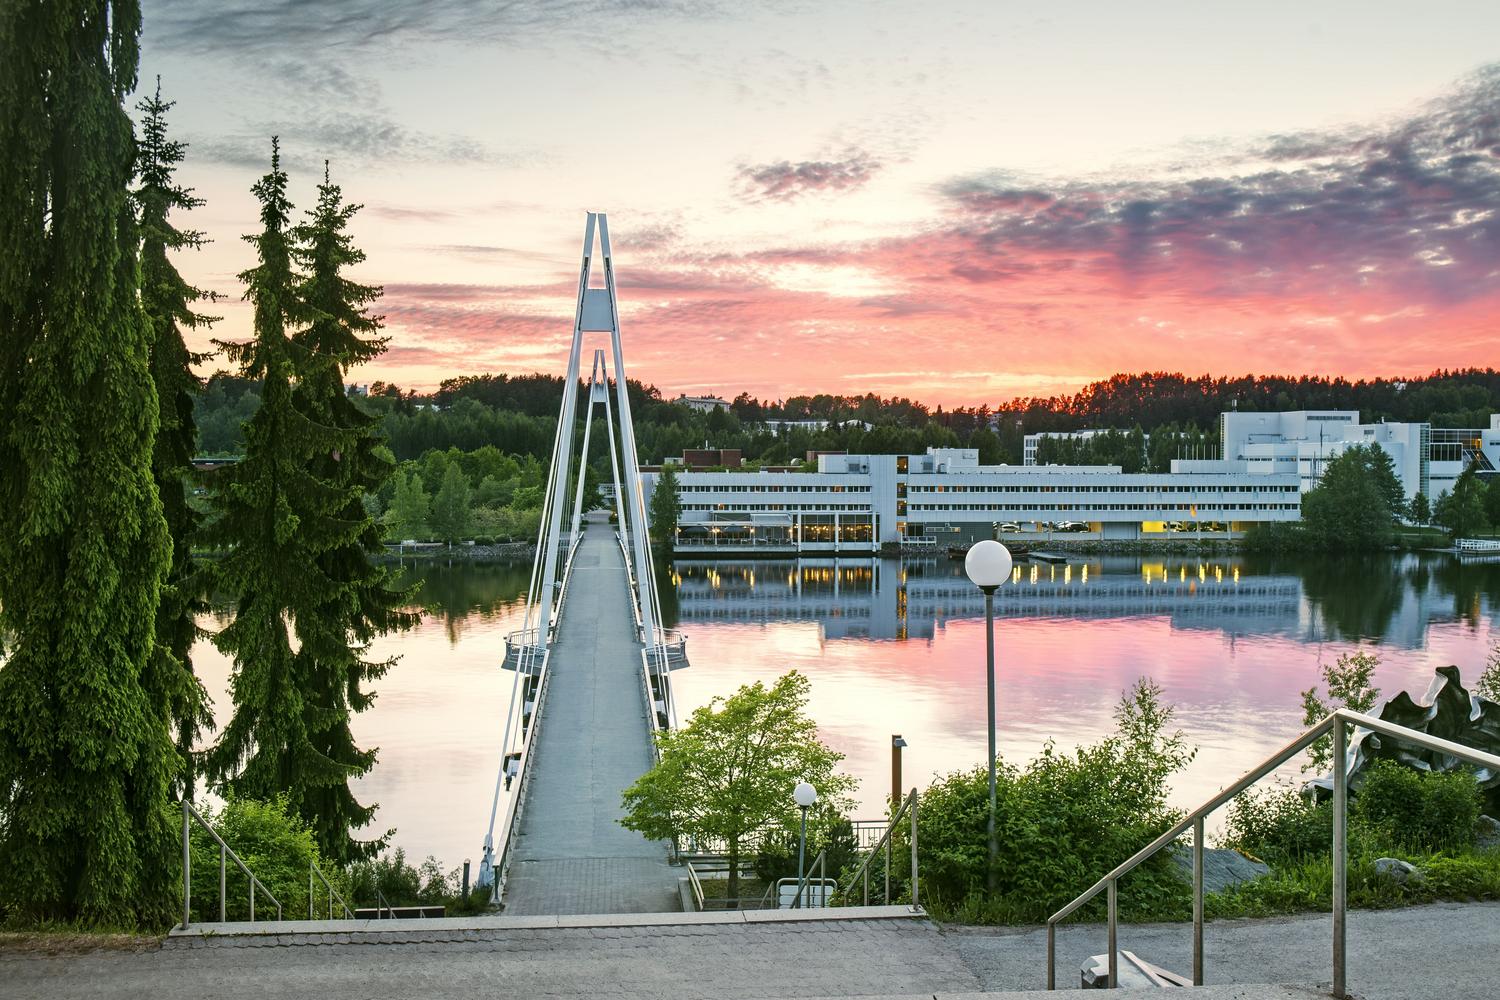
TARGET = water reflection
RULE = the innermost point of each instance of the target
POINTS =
(895, 647)
(1391, 601)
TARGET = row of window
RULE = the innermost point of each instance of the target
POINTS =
(1273, 488)
(825, 488)
(863, 507)
(1150, 507)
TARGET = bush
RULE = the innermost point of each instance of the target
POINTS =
(777, 856)
(1062, 821)
(403, 884)
(1279, 825)
(1417, 810)
(274, 844)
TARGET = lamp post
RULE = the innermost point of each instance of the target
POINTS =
(896, 744)
(804, 795)
(988, 565)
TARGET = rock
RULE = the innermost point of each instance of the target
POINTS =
(1489, 832)
(1222, 867)
(1399, 871)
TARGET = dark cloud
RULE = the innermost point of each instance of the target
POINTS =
(361, 138)
(258, 27)
(1412, 207)
(786, 180)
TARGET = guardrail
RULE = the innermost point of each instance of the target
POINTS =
(907, 810)
(189, 815)
(1477, 545)
(1335, 723)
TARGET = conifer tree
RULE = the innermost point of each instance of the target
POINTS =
(359, 600)
(275, 518)
(168, 302)
(86, 758)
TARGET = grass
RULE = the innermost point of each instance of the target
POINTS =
(1302, 887)
(70, 938)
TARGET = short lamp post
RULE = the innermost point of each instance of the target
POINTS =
(805, 796)
(988, 565)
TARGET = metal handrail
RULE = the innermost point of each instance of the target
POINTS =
(513, 807)
(225, 852)
(312, 869)
(381, 903)
(862, 874)
(1335, 723)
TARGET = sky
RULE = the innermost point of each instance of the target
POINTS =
(956, 202)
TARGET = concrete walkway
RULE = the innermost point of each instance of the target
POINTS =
(572, 855)
(1440, 952)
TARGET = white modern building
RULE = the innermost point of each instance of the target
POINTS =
(1427, 459)
(945, 497)
(703, 404)
(1031, 443)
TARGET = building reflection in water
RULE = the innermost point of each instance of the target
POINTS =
(913, 599)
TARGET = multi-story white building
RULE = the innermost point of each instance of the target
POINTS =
(858, 502)
(1427, 459)
(1031, 443)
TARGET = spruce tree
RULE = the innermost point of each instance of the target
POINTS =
(359, 599)
(86, 758)
(168, 302)
(275, 518)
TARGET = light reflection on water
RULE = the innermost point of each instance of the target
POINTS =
(899, 648)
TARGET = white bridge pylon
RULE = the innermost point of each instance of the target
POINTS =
(528, 651)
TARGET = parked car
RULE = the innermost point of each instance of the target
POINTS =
(1009, 527)
(1072, 526)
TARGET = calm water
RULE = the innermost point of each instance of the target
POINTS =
(899, 648)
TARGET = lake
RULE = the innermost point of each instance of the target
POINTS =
(898, 647)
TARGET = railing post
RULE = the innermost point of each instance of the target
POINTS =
(1114, 955)
(252, 899)
(223, 880)
(888, 869)
(913, 800)
(187, 869)
(1051, 955)
(1340, 852)
(309, 892)
(1198, 901)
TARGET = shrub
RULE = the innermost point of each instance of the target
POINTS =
(274, 844)
(1278, 825)
(1062, 821)
(1418, 810)
(833, 833)
(402, 884)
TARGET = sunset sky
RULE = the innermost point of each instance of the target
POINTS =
(960, 202)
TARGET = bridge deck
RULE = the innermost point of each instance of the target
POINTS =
(572, 855)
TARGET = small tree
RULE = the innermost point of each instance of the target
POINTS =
(450, 508)
(666, 508)
(1421, 510)
(409, 506)
(1384, 472)
(1349, 686)
(1489, 681)
(728, 774)
(1462, 511)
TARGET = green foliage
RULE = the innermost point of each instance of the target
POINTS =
(666, 509)
(1418, 810)
(1308, 885)
(276, 845)
(1421, 510)
(167, 300)
(1350, 508)
(1488, 685)
(1463, 511)
(728, 774)
(409, 510)
(450, 508)
(1349, 683)
(390, 880)
(86, 757)
(1278, 825)
(1062, 820)
(295, 536)
(827, 831)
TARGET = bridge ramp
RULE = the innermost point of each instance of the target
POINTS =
(572, 855)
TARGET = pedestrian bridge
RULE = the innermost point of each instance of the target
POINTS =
(591, 665)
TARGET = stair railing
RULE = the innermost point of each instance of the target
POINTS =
(189, 815)
(313, 869)
(1335, 724)
(907, 811)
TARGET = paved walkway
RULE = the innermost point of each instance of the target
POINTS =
(1440, 952)
(572, 855)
